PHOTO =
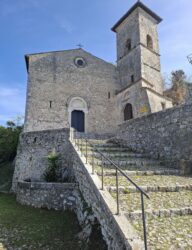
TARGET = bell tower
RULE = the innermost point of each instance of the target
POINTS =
(138, 63)
(138, 56)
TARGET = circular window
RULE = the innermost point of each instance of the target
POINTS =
(80, 62)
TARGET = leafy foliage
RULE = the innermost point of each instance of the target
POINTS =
(9, 137)
(178, 90)
(51, 174)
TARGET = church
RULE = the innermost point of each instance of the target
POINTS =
(73, 88)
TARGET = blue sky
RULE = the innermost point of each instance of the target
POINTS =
(29, 26)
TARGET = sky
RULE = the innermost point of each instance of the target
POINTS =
(32, 26)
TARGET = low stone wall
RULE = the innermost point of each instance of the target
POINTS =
(116, 230)
(32, 152)
(165, 135)
(58, 196)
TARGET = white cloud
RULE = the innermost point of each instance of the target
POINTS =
(12, 102)
(8, 92)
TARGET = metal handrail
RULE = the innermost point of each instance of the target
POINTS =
(79, 143)
(119, 169)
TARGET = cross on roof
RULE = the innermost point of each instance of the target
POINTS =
(80, 46)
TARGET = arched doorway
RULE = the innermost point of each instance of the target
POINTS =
(78, 120)
(128, 112)
(77, 110)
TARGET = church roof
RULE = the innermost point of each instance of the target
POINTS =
(136, 5)
(60, 51)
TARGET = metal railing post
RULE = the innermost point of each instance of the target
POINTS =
(102, 176)
(86, 150)
(92, 162)
(81, 147)
(78, 143)
(144, 223)
(75, 137)
(117, 191)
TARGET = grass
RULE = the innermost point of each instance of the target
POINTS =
(27, 228)
(23, 227)
(6, 173)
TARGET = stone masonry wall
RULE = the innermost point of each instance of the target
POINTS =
(58, 196)
(33, 149)
(116, 230)
(54, 77)
(166, 135)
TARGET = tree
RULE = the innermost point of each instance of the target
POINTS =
(177, 91)
(9, 138)
(178, 78)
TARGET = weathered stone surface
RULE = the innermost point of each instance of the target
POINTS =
(54, 77)
(33, 149)
(117, 231)
(162, 136)
(58, 196)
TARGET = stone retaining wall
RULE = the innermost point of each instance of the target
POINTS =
(32, 152)
(58, 196)
(117, 231)
(165, 135)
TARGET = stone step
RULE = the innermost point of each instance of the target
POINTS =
(155, 180)
(131, 202)
(133, 189)
(116, 155)
(129, 161)
(133, 168)
(98, 145)
(154, 213)
(162, 171)
(97, 141)
(106, 149)
(167, 233)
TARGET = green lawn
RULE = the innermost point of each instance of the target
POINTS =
(23, 227)
(27, 228)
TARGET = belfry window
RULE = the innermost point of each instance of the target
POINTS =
(149, 42)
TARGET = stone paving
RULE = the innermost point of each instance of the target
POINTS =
(169, 210)
(155, 180)
(158, 200)
(174, 233)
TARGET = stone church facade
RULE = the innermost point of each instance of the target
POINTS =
(73, 88)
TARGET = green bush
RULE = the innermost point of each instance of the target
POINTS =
(51, 174)
(9, 138)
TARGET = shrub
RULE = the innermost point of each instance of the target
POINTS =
(51, 174)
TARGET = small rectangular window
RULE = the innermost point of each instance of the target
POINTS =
(50, 104)
(132, 78)
(163, 105)
(109, 95)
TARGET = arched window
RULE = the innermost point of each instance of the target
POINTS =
(128, 112)
(128, 45)
(149, 42)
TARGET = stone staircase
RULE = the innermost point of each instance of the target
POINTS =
(169, 210)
